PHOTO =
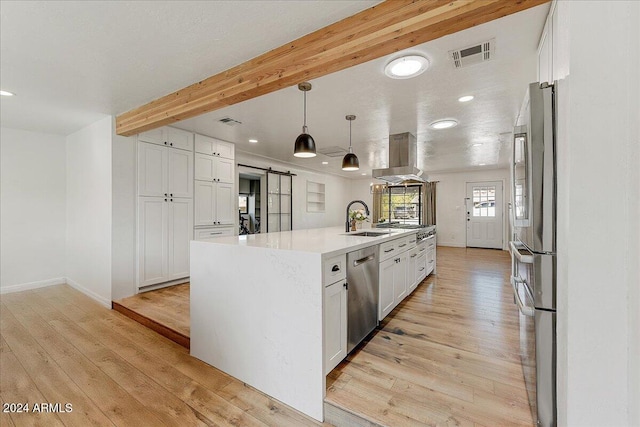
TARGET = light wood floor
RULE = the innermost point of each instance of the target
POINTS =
(447, 355)
(166, 311)
(59, 346)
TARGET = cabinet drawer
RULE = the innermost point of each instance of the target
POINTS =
(388, 249)
(209, 233)
(334, 269)
(405, 243)
(430, 242)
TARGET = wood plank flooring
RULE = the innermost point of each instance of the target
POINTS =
(165, 310)
(447, 355)
(59, 346)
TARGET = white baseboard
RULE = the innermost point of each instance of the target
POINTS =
(33, 285)
(451, 244)
(103, 301)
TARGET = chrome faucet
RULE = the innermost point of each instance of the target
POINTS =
(366, 209)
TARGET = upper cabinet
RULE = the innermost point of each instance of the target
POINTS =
(164, 171)
(214, 147)
(168, 136)
(553, 56)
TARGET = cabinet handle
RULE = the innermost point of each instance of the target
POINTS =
(414, 255)
(171, 200)
(422, 249)
(165, 200)
(346, 285)
(171, 194)
(421, 269)
(402, 246)
(335, 268)
(219, 232)
(389, 250)
(165, 194)
(165, 143)
(397, 260)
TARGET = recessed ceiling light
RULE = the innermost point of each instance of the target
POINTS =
(253, 141)
(477, 144)
(6, 93)
(325, 163)
(406, 67)
(465, 98)
(363, 173)
(481, 164)
(443, 124)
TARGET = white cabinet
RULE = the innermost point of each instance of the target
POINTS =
(412, 270)
(214, 169)
(335, 324)
(168, 136)
(214, 204)
(214, 147)
(164, 231)
(215, 197)
(421, 267)
(210, 233)
(392, 283)
(164, 171)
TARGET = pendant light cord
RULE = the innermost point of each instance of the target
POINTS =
(350, 149)
(304, 126)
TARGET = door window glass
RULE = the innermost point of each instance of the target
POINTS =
(484, 201)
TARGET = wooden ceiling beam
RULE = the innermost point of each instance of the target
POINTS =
(386, 28)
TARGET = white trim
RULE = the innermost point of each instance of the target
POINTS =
(451, 244)
(33, 285)
(103, 301)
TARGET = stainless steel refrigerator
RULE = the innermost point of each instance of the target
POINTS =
(533, 249)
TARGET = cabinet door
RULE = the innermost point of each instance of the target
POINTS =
(225, 149)
(205, 167)
(225, 204)
(178, 138)
(421, 267)
(224, 170)
(154, 136)
(179, 173)
(152, 170)
(335, 325)
(205, 203)
(180, 232)
(205, 145)
(412, 277)
(400, 278)
(430, 262)
(152, 240)
(385, 303)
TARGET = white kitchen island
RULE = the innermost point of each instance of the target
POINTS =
(257, 308)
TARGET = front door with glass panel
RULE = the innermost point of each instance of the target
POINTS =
(484, 214)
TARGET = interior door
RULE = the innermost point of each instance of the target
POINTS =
(484, 214)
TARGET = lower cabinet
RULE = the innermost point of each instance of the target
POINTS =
(412, 271)
(335, 324)
(165, 227)
(210, 233)
(392, 283)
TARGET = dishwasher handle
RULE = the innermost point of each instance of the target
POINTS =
(363, 260)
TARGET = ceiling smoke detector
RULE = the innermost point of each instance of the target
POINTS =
(473, 54)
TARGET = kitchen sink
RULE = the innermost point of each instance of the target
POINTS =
(369, 234)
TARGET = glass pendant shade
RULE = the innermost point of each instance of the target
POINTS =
(305, 146)
(350, 162)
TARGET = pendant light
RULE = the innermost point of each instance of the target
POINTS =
(305, 145)
(350, 161)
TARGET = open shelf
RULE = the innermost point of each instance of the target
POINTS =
(315, 197)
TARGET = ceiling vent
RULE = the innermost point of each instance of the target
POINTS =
(334, 151)
(229, 121)
(474, 54)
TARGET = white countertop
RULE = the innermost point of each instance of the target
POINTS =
(325, 241)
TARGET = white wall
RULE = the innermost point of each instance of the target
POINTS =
(89, 210)
(451, 191)
(32, 209)
(337, 192)
(598, 211)
(123, 233)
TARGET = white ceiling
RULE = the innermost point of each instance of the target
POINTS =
(72, 62)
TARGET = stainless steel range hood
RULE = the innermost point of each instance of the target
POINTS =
(402, 161)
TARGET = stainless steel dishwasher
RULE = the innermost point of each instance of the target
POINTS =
(362, 291)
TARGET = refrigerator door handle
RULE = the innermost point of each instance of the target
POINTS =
(524, 309)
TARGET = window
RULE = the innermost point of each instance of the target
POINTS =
(243, 204)
(484, 201)
(402, 203)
